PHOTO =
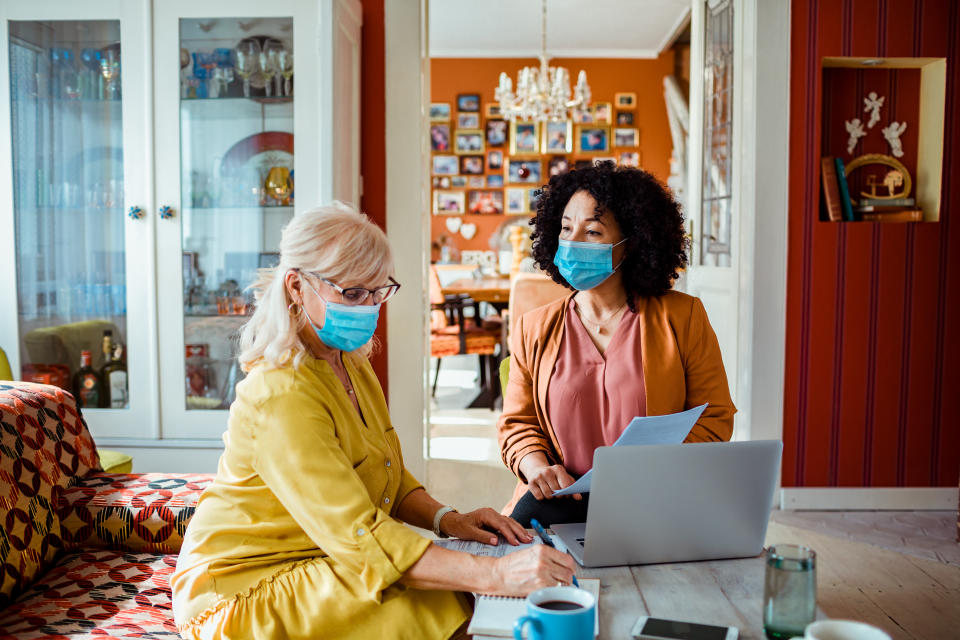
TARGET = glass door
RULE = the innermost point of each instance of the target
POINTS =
(225, 190)
(72, 180)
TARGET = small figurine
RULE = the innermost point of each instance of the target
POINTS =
(891, 181)
(892, 133)
(855, 129)
(872, 104)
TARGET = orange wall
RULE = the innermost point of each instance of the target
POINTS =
(450, 76)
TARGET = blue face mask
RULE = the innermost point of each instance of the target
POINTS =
(585, 264)
(346, 327)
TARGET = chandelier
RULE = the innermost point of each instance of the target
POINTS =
(543, 93)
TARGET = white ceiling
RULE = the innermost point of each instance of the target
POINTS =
(575, 28)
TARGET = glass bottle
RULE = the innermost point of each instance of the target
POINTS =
(87, 386)
(114, 376)
(199, 379)
(107, 348)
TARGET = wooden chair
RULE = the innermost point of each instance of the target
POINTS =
(527, 292)
(451, 334)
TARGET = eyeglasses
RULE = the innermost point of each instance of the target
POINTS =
(353, 296)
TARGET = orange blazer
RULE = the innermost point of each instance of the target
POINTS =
(682, 368)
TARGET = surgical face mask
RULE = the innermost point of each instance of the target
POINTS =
(585, 264)
(346, 327)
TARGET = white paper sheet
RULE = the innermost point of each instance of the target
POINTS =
(668, 429)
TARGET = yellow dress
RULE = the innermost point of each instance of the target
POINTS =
(296, 536)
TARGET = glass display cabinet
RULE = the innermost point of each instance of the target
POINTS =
(149, 173)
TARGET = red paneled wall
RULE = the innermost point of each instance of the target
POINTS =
(873, 310)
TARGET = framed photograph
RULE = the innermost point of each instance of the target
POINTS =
(625, 100)
(476, 182)
(468, 102)
(439, 112)
(448, 202)
(441, 182)
(495, 159)
(582, 163)
(440, 137)
(557, 165)
(458, 182)
(468, 141)
(601, 159)
(524, 138)
(516, 200)
(491, 110)
(471, 165)
(626, 137)
(558, 137)
(524, 171)
(496, 133)
(592, 139)
(495, 180)
(624, 118)
(585, 117)
(468, 121)
(532, 196)
(445, 166)
(630, 159)
(488, 202)
(602, 112)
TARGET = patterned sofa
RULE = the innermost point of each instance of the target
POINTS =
(83, 553)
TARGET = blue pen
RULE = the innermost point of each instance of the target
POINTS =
(546, 540)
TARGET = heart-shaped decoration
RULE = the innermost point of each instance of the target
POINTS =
(468, 230)
(453, 224)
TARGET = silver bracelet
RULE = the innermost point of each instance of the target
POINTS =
(442, 511)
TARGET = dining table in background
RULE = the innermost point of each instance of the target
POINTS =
(493, 290)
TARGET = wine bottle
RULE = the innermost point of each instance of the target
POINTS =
(107, 348)
(114, 376)
(87, 386)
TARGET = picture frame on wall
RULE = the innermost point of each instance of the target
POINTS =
(593, 139)
(492, 110)
(476, 182)
(624, 118)
(557, 165)
(495, 159)
(515, 200)
(524, 138)
(468, 121)
(471, 165)
(630, 159)
(487, 202)
(625, 100)
(458, 182)
(439, 112)
(626, 137)
(533, 195)
(469, 102)
(558, 137)
(468, 141)
(584, 117)
(495, 180)
(446, 165)
(440, 137)
(582, 163)
(496, 133)
(449, 202)
(602, 112)
(524, 171)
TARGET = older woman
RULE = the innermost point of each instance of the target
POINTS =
(621, 345)
(301, 534)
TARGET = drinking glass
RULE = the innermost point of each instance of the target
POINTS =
(248, 60)
(110, 70)
(285, 67)
(224, 70)
(789, 590)
(268, 63)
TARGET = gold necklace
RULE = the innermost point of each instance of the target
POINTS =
(600, 324)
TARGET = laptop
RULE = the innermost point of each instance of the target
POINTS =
(675, 503)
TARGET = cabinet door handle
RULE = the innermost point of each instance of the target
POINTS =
(166, 212)
(135, 212)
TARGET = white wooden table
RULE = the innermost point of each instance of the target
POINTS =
(908, 597)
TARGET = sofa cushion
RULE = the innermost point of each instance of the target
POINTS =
(44, 447)
(96, 595)
(131, 511)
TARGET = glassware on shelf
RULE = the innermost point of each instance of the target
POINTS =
(91, 78)
(201, 73)
(268, 63)
(200, 380)
(248, 61)
(110, 70)
(278, 185)
(224, 73)
(285, 67)
(185, 73)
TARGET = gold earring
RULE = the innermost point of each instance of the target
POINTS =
(294, 309)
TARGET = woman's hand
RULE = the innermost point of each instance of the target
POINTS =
(477, 525)
(521, 572)
(544, 480)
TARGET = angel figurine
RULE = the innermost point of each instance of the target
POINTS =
(855, 129)
(872, 104)
(892, 133)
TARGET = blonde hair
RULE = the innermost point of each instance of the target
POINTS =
(336, 242)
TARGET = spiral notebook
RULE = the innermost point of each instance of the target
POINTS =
(493, 616)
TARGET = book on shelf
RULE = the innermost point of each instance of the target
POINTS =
(831, 189)
(903, 215)
(844, 191)
(888, 202)
(877, 208)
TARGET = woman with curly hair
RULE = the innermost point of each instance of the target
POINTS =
(623, 344)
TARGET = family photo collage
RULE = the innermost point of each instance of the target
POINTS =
(484, 164)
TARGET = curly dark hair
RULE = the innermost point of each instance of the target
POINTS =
(649, 217)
